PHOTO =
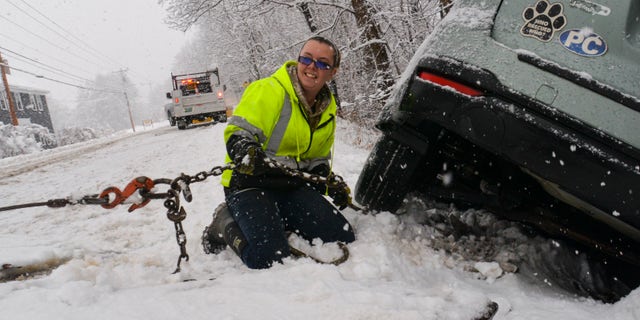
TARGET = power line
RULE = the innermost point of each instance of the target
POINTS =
(44, 68)
(102, 57)
(47, 31)
(95, 52)
(49, 28)
(58, 81)
(48, 56)
(52, 69)
(49, 42)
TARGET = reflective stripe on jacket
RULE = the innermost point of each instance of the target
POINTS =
(271, 114)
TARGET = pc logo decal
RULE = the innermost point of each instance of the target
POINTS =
(583, 42)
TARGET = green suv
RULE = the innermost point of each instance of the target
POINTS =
(529, 109)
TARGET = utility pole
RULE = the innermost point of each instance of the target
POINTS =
(12, 109)
(133, 125)
(126, 98)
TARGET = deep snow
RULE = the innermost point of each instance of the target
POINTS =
(117, 265)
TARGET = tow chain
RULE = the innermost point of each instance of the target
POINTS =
(332, 181)
(180, 185)
(175, 212)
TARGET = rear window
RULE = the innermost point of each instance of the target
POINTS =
(195, 86)
(598, 39)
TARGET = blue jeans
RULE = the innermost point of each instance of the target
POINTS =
(266, 215)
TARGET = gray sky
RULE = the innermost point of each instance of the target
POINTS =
(81, 38)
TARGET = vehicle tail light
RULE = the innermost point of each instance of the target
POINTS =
(459, 87)
(220, 95)
(176, 100)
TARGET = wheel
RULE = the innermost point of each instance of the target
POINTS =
(181, 124)
(561, 263)
(387, 176)
(172, 120)
(219, 117)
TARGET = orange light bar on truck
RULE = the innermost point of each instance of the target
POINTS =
(459, 87)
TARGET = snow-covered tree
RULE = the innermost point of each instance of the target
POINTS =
(249, 39)
(107, 106)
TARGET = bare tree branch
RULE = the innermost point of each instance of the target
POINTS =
(317, 3)
(184, 14)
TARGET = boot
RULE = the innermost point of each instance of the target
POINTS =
(212, 237)
(223, 230)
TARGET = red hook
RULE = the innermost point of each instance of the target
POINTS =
(139, 183)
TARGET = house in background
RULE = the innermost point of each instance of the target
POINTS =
(30, 106)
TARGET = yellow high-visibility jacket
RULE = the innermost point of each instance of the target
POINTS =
(270, 113)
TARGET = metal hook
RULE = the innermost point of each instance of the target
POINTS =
(139, 183)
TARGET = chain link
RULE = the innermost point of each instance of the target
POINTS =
(333, 181)
(175, 212)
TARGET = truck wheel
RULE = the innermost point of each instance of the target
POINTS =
(388, 175)
(181, 124)
(172, 120)
(562, 264)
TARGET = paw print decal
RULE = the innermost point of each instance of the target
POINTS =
(543, 20)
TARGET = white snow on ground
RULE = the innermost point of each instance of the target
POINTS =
(118, 265)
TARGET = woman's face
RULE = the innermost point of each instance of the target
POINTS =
(311, 77)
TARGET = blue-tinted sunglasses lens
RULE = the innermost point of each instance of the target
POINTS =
(319, 64)
(305, 60)
(322, 65)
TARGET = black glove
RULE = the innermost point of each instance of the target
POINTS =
(321, 170)
(341, 195)
(248, 157)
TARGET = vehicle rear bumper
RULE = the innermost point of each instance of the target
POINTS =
(563, 153)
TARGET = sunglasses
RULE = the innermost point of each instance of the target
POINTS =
(319, 64)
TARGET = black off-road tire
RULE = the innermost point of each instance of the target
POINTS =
(388, 175)
(562, 264)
